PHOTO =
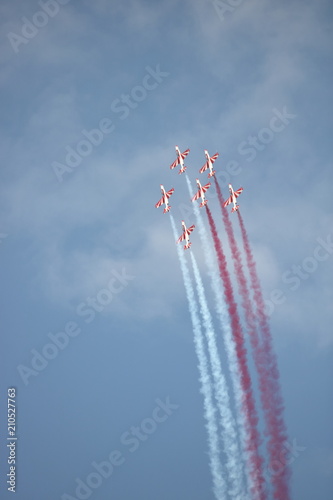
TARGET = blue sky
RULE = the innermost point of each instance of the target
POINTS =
(216, 81)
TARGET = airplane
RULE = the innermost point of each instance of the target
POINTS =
(165, 196)
(201, 193)
(232, 198)
(186, 235)
(209, 164)
(180, 160)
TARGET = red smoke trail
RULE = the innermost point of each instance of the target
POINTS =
(252, 446)
(269, 385)
(241, 279)
(263, 356)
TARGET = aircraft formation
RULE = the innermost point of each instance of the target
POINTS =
(201, 193)
(246, 461)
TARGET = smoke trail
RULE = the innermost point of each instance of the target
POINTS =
(259, 358)
(228, 340)
(253, 438)
(241, 279)
(272, 400)
(221, 393)
(204, 377)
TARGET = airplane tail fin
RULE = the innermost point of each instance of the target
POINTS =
(166, 209)
(186, 247)
(203, 203)
(182, 170)
(211, 174)
(234, 209)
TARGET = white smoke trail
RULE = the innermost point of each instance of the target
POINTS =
(221, 393)
(229, 344)
(219, 484)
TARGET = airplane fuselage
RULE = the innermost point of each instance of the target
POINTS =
(210, 164)
(202, 194)
(165, 198)
(234, 199)
(200, 189)
(187, 238)
(181, 161)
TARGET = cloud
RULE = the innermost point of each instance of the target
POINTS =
(102, 214)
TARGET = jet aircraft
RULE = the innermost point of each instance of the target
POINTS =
(209, 164)
(232, 198)
(186, 235)
(201, 193)
(165, 196)
(180, 160)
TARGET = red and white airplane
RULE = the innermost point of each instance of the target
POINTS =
(165, 196)
(209, 164)
(186, 235)
(201, 193)
(232, 198)
(180, 160)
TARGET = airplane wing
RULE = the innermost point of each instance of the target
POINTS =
(202, 169)
(204, 188)
(197, 195)
(160, 202)
(182, 237)
(238, 192)
(213, 158)
(175, 163)
(228, 201)
(169, 193)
